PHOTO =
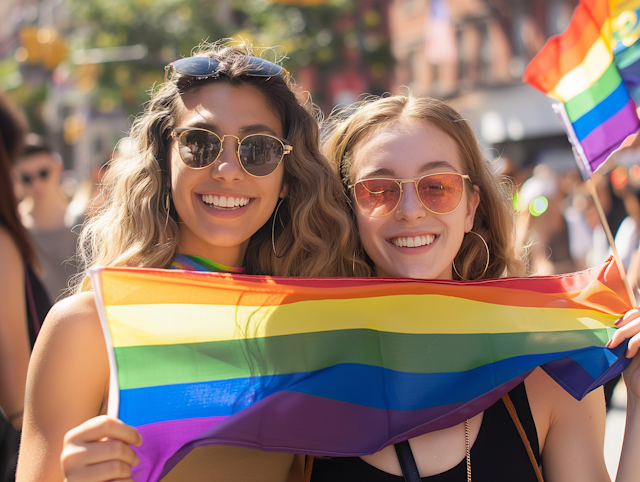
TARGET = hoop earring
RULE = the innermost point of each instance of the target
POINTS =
(273, 230)
(486, 246)
(167, 205)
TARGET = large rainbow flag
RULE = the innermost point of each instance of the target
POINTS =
(593, 68)
(337, 366)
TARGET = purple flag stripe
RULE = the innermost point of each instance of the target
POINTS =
(608, 136)
(161, 440)
(315, 422)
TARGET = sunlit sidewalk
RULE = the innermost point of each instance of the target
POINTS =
(615, 429)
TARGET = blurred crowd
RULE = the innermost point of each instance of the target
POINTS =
(559, 227)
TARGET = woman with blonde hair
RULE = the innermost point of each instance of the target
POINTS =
(427, 206)
(224, 174)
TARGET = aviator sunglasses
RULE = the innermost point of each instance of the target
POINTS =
(29, 178)
(440, 193)
(206, 67)
(259, 154)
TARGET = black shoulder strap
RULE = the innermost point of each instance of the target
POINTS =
(407, 462)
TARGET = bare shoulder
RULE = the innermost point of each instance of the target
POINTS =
(74, 316)
(77, 308)
(9, 253)
(570, 431)
(546, 394)
(71, 333)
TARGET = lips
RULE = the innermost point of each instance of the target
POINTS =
(413, 241)
(224, 202)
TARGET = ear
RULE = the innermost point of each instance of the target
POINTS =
(284, 191)
(472, 205)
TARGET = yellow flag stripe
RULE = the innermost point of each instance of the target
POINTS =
(161, 324)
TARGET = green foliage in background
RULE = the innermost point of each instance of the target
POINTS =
(327, 36)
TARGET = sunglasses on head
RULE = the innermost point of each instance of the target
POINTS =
(259, 154)
(29, 178)
(206, 67)
(439, 193)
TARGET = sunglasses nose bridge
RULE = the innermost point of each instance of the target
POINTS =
(237, 150)
(417, 202)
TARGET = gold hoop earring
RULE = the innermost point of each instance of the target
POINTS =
(273, 230)
(167, 205)
(486, 246)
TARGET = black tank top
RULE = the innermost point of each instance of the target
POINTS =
(498, 453)
(37, 301)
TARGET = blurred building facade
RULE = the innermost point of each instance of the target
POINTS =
(473, 53)
(35, 34)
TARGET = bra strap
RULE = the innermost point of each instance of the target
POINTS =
(407, 462)
(514, 416)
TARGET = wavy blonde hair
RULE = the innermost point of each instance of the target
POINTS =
(494, 218)
(314, 235)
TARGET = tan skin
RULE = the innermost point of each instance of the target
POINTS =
(63, 415)
(14, 336)
(570, 433)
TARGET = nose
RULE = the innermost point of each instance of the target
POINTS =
(227, 167)
(410, 209)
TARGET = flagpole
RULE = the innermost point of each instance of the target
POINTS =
(612, 243)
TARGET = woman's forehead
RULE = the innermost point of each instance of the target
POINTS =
(411, 144)
(226, 106)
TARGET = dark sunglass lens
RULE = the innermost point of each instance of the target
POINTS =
(441, 193)
(198, 148)
(196, 66)
(260, 155)
(262, 68)
(377, 197)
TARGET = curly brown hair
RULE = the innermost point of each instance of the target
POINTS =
(314, 235)
(494, 215)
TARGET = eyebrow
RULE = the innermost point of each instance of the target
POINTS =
(436, 164)
(383, 171)
(246, 130)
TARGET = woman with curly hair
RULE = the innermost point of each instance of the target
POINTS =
(224, 173)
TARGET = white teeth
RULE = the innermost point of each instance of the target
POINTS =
(224, 202)
(413, 241)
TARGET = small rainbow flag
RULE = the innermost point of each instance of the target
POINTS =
(591, 68)
(337, 366)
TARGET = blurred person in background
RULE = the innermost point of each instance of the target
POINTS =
(628, 233)
(618, 206)
(46, 213)
(542, 226)
(23, 300)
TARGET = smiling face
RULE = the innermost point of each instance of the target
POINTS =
(411, 241)
(221, 206)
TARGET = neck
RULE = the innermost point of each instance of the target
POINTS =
(47, 213)
(232, 256)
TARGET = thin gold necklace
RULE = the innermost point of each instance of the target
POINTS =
(466, 439)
